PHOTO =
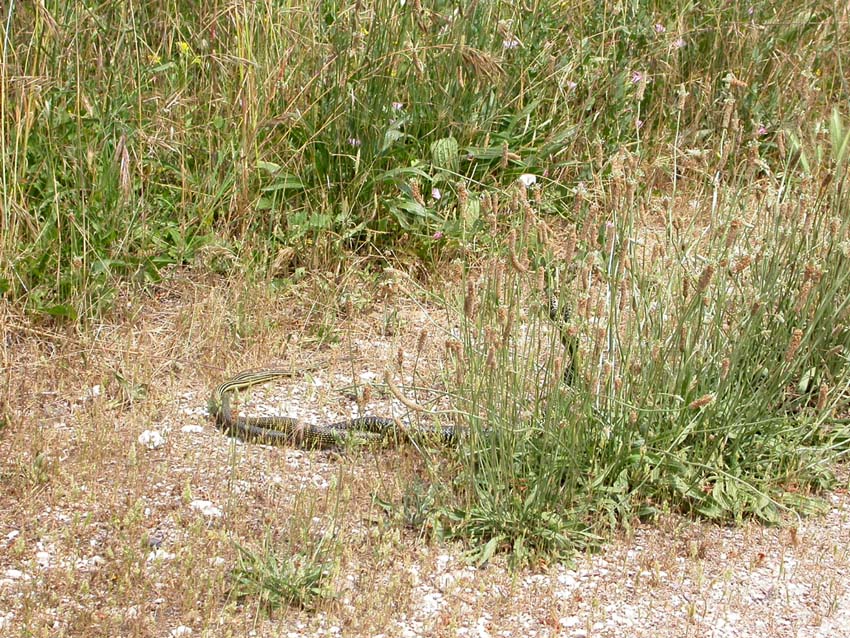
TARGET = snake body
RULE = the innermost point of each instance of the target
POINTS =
(281, 430)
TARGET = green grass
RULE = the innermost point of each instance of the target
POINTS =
(707, 378)
(138, 137)
(298, 579)
(284, 138)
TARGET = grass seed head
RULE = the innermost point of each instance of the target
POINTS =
(728, 107)
(420, 342)
(570, 244)
(558, 369)
(812, 273)
(703, 401)
(462, 197)
(491, 357)
(742, 264)
(624, 296)
(416, 193)
(794, 344)
(469, 300)
(610, 236)
(681, 98)
(732, 233)
(516, 262)
(803, 297)
(823, 393)
(705, 278)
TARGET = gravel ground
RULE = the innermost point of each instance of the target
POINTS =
(122, 526)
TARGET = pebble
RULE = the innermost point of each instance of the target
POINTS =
(206, 508)
(151, 439)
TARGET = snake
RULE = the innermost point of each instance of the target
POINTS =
(282, 430)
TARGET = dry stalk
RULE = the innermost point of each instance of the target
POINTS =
(398, 394)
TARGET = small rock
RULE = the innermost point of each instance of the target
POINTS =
(192, 429)
(151, 439)
(16, 574)
(159, 555)
(206, 508)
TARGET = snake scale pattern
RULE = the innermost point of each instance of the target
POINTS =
(281, 430)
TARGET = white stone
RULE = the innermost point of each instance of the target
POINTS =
(159, 555)
(151, 439)
(206, 508)
(568, 580)
(16, 574)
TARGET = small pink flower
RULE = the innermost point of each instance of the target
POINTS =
(637, 76)
(761, 131)
(679, 44)
(660, 28)
(438, 235)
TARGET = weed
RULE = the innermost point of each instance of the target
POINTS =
(298, 579)
(702, 390)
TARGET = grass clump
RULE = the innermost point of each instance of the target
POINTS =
(298, 580)
(709, 374)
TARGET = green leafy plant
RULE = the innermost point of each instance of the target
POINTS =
(316, 144)
(706, 376)
(298, 580)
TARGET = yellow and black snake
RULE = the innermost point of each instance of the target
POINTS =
(286, 430)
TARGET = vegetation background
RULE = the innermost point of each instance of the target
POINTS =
(675, 173)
